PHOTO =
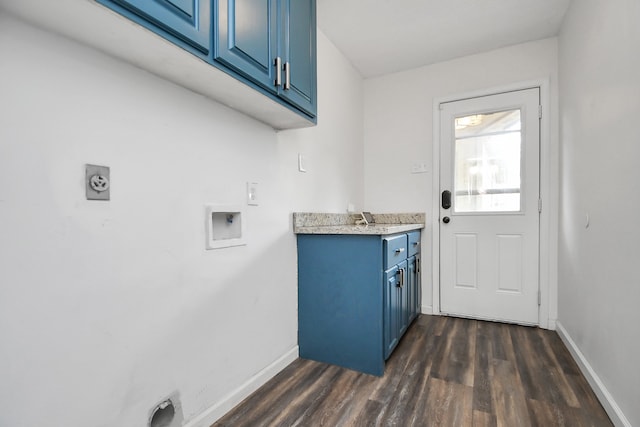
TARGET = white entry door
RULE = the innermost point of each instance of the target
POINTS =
(489, 207)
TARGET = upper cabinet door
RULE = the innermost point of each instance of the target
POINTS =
(188, 20)
(299, 53)
(246, 38)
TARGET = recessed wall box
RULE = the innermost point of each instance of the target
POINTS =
(224, 226)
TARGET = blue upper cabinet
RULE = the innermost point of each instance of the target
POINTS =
(246, 38)
(187, 20)
(299, 53)
(272, 43)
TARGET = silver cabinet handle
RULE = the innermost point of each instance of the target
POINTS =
(401, 281)
(278, 65)
(287, 76)
(399, 250)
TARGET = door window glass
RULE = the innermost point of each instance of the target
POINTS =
(487, 162)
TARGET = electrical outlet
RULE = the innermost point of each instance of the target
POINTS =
(97, 182)
(419, 168)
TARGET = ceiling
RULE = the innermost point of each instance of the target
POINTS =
(385, 36)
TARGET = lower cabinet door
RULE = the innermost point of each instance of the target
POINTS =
(418, 285)
(403, 312)
(396, 306)
(391, 309)
(412, 273)
(189, 20)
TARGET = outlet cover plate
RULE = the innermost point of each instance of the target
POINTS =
(420, 167)
(103, 172)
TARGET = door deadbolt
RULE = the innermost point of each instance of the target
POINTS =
(446, 220)
(446, 199)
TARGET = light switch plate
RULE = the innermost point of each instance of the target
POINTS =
(252, 193)
(302, 162)
(97, 182)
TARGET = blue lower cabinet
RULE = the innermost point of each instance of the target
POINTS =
(340, 301)
(187, 20)
(351, 311)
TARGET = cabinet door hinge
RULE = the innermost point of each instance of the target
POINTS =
(539, 111)
(539, 205)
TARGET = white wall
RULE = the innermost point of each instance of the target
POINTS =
(599, 290)
(399, 128)
(108, 307)
(333, 150)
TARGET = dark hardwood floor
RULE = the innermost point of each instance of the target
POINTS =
(445, 372)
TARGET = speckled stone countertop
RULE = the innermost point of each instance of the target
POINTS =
(322, 223)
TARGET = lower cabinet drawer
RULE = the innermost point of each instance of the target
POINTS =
(414, 243)
(395, 250)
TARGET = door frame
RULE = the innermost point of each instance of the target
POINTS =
(548, 246)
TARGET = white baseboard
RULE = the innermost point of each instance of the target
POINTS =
(426, 309)
(218, 409)
(608, 403)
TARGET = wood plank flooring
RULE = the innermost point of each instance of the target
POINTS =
(445, 372)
